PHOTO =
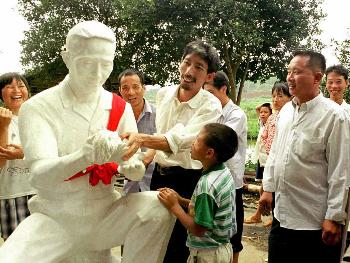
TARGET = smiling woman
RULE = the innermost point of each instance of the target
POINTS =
(14, 91)
(14, 173)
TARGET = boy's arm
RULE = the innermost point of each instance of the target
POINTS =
(169, 198)
(184, 202)
(187, 221)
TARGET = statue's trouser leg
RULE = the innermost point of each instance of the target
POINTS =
(37, 239)
(141, 223)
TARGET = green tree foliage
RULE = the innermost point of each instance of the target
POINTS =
(343, 52)
(254, 37)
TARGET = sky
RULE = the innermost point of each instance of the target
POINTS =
(13, 25)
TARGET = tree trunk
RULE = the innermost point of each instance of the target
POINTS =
(230, 74)
(232, 68)
(241, 84)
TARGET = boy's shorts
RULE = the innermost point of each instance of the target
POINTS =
(222, 253)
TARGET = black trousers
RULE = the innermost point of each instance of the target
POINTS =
(236, 239)
(301, 246)
(183, 181)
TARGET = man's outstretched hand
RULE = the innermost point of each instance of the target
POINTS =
(134, 143)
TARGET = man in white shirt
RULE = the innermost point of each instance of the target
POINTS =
(336, 83)
(181, 113)
(307, 169)
(77, 216)
(234, 117)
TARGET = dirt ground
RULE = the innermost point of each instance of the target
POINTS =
(255, 234)
(250, 95)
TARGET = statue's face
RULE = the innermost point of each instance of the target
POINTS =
(90, 68)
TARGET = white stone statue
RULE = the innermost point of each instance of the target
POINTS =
(63, 131)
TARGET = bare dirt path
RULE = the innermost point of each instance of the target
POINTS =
(251, 95)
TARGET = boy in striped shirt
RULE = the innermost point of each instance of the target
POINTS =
(210, 220)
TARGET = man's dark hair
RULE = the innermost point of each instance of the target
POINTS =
(338, 69)
(206, 51)
(317, 60)
(281, 87)
(220, 80)
(222, 139)
(131, 72)
(7, 78)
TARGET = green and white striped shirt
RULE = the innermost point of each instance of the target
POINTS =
(212, 206)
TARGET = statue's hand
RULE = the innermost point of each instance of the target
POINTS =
(104, 147)
(133, 169)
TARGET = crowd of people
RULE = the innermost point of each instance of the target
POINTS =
(183, 160)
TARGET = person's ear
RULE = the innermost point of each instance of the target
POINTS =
(210, 153)
(210, 77)
(65, 57)
(224, 89)
(318, 77)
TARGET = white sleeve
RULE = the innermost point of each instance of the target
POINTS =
(181, 136)
(337, 154)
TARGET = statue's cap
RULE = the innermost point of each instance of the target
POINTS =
(91, 29)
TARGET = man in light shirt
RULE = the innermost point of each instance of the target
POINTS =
(307, 169)
(182, 111)
(234, 117)
(336, 83)
(132, 88)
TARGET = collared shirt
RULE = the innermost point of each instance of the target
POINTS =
(308, 164)
(213, 206)
(146, 123)
(180, 123)
(54, 128)
(346, 107)
(234, 117)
